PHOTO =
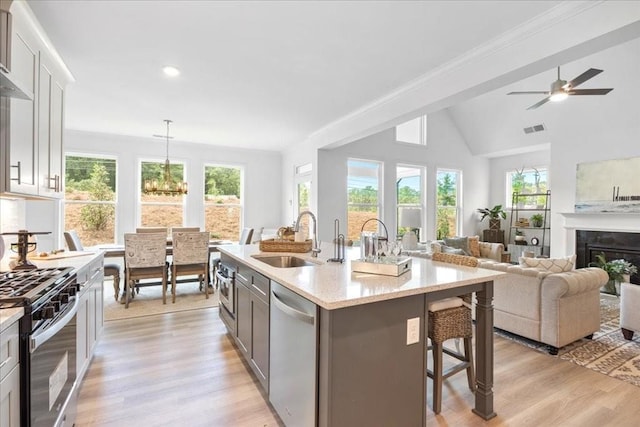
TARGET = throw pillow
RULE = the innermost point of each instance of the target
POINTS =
(449, 250)
(458, 243)
(553, 265)
(474, 246)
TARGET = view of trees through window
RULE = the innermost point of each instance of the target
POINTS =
(223, 202)
(90, 196)
(527, 181)
(160, 210)
(363, 182)
(409, 199)
(447, 200)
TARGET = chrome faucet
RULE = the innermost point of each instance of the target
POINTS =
(315, 250)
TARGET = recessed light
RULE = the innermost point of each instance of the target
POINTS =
(171, 71)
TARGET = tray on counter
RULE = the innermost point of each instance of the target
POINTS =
(388, 266)
(279, 245)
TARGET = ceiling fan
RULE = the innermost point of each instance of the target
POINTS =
(561, 89)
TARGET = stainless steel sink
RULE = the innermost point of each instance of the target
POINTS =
(285, 261)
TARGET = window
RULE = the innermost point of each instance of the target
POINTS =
(160, 210)
(409, 199)
(413, 132)
(527, 181)
(363, 196)
(223, 201)
(90, 198)
(448, 200)
(303, 193)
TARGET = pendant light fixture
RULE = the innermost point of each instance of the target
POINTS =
(168, 186)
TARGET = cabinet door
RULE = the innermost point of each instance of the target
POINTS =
(82, 346)
(10, 399)
(23, 142)
(243, 318)
(260, 341)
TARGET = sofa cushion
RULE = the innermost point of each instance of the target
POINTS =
(554, 265)
(450, 250)
(458, 243)
(474, 246)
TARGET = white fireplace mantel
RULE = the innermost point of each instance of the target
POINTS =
(629, 222)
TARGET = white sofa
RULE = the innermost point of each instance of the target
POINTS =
(488, 251)
(552, 308)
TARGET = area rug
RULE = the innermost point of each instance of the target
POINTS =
(608, 352)
(149, 301)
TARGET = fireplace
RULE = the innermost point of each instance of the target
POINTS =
(614, 244)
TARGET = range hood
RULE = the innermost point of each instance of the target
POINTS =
(9, 86)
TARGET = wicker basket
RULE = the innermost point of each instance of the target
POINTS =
(276, 245)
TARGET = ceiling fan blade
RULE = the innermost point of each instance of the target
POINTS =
(535, 92)
(590, 73)
(588, 91)
(539, 103)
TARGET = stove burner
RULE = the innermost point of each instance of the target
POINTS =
(30, 284)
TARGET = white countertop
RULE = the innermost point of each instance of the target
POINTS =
(334, 285)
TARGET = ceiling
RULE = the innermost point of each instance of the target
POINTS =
(264, 74)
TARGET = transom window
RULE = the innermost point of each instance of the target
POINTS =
(413, 131)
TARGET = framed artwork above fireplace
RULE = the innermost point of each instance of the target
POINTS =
(608, 186)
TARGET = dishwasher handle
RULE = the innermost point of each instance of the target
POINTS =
(290, 311)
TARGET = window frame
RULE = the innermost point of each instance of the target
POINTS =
(140, 203)
(423, 128)
(380, 194)
(240, 205)
(458, 208)
(423, 196)
(528, 171)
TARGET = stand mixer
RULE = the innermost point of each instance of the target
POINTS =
(23, 247)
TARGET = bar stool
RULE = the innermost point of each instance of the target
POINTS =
(450, 318)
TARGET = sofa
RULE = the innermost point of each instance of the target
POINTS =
(554, 308)
(469, 245)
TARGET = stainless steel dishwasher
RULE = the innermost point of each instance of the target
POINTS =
(293, 357)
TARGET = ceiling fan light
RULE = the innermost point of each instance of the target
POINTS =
(558, 96)
(171, 71)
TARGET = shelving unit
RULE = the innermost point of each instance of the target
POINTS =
(529, 204)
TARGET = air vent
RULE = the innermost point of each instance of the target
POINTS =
(534, 128)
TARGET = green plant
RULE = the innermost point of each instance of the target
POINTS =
(615, 268)
(537, 219)
(495, 212)
(96, 217)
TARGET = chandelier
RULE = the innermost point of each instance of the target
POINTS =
(168, 186)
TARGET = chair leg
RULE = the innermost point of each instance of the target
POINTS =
(173, 284)
(205, 281)
(164, 291)
(127, 291)
(437, 377)
(468, 354)
(116, 286)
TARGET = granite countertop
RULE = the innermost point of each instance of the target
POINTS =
(334, 285)
(76, 260)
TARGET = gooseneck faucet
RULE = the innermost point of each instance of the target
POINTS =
(315, 250)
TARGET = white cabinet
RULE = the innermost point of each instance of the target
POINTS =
(33, 147)
(90, 316)
(9, 377)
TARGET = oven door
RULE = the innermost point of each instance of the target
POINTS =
(52, 373)
(225, 278)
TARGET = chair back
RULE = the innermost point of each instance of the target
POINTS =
(145, 250)
(73, 240)
(183, 229)
(152, 230)
(468, 261)
(245, 236)
(190, 247)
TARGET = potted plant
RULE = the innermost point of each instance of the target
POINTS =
(619, 270)
(519, 236)
(536, 220)
(494, 214)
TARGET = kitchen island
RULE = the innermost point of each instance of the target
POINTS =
(370, 356)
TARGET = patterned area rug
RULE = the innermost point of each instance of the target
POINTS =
(608, 352)
(149, 301)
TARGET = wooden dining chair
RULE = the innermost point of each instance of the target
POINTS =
(245, 236)
(450, 318)
(145, 257)
(152, 230)
(184, 229)
(75, 244)
(190, 257)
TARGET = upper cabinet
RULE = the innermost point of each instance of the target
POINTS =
(32, 143)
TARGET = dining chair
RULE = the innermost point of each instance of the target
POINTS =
(152, 230)
(245, 236)
(145, 256)
(190, 257)
(75, 244)
(447, 319)
(184, 229)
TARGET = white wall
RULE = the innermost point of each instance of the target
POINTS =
(446, 149)
(262, 175)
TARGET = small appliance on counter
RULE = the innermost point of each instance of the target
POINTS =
(23, 247)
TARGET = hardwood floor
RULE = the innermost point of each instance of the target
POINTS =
(182, 369)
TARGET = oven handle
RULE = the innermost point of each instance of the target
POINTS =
(43, 336)
(223, 279)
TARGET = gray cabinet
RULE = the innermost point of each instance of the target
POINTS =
(9, 377)
(252, 320)
(90, 316)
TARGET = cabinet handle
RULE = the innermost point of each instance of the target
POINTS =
(56, 183)
(4, 362)
(18, 178)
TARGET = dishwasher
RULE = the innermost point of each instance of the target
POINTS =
(293, 357)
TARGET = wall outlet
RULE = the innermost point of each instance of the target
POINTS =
(413, 330)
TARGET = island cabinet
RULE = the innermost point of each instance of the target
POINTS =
(252, 320)
(32, 144)
(90, 316)
(9, 377)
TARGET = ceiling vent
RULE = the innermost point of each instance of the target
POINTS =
(534, 128)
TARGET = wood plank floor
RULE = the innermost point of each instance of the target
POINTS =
(181, 369)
